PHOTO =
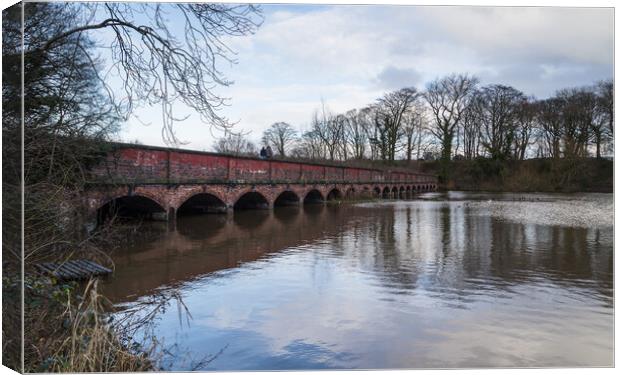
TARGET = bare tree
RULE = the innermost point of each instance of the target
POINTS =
(156, 64)
(605, 94)
(414, 125)
(367, 117)
(355, 133)
(309, 146)
(280, 136)
(328, 130)
(471, 133)
(577, 116)
(496, 108)
(525, 126)
(340, 123)
(67, 116)
(234, 143)
(448, 98)
(602, 126)
(550, 120)
(390, 111)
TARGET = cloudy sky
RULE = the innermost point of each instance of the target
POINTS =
(350, 55)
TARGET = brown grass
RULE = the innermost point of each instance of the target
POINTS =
(68, 329)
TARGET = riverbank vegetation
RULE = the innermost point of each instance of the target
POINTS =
(73, 331)
(529, 175)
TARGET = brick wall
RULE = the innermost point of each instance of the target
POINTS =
(145, 164)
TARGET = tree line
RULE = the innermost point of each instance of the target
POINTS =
(455, 117)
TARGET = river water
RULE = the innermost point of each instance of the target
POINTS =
(445, 280)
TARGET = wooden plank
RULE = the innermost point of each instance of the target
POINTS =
(80, 274)
(70, 267)
(59, 272)
(73, 269)
(68, 271)
(102, 268)
(84, 272)
(95, 267)
(85, 265)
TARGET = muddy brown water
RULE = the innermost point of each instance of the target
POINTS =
(442, 281)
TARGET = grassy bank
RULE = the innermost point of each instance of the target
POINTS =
(68, 328)
(532, 175)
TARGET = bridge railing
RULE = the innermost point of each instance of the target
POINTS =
(157, 165)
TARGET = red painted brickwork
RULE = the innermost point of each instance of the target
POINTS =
(312, 172)
(145, 164)
(197, 167)
(248, 170)
(285, 171)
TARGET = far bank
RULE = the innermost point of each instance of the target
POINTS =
(532, 175)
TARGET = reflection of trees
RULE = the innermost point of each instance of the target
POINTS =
(383, 247)
(446, 249)
(451, 251)
(497, 254)
(564, 255)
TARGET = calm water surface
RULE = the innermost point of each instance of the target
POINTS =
(446, 280)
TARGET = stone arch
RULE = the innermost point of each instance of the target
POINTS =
(394, 192)
(377, 192)
(234, 194)
(386, 193)
(251, 200)
(184, 194)
(286, 198)
(350, 193)
(313, 195)
(333, 194)
(131, 206)
(366, 192)
(202, 203)
(401, 192)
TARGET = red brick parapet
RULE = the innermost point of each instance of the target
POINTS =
(139, 164)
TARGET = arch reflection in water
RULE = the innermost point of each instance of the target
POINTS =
(381, 286)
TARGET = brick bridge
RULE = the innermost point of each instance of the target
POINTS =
(161, 183)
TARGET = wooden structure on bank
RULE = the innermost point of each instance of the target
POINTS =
(73, 269)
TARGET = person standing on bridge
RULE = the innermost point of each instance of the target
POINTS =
(269, 152)
(263, 153)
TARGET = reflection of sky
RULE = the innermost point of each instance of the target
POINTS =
(418, 285)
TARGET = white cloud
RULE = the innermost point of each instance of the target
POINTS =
(578, 34)
(350, 55)
(393, 78)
